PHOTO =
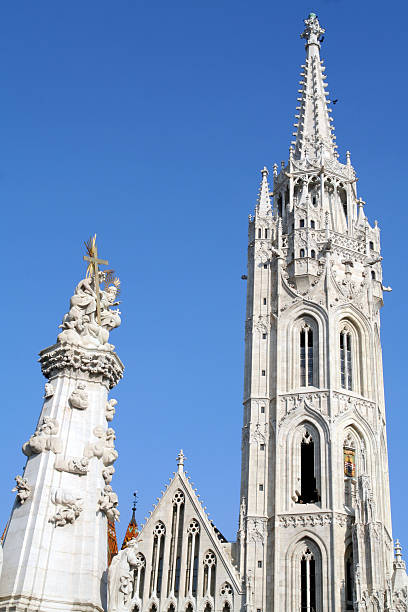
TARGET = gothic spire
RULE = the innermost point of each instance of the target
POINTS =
(314, 135)
(264, 200)
(132, 529)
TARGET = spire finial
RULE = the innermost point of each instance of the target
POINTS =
(180, 461)
(398, 551)
(135, 500)
(313, 32)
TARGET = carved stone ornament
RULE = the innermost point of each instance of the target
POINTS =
(104, 448)
(48, 390)
(44, 438)
(105, 367)
(256, 529)
(110, 409)
(68, 507)
(120, 576)
(80, 325)
(72, 465)
(108, 503)
(79, 397)
(107, 474)
(23, 489)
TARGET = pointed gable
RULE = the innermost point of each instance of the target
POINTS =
(185, 555)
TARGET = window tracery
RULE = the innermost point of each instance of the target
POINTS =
(346, 362)
(193, 547)
(210, 563)
(139, 576)
(306, 356)
(156, 576)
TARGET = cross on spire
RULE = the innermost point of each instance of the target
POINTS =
(93, 269)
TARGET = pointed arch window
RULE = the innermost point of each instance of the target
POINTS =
(308, 581)
(173, 583)
(193, 547)
(306, 356)
(139, 576)
(302, 253)
(210, 563)
(156, 575)
(349, 576)
(308, 485)
(346, 365)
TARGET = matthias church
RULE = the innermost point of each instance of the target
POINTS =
(314, 520)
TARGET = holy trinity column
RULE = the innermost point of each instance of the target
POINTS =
(55, 548)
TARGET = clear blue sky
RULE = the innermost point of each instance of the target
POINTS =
(148, 123)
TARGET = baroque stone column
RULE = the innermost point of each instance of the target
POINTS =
(55, 549)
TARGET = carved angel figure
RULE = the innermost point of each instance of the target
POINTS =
(108, 503)
(23, 489)
(110, 409)
(79, 397)
(44, 438)
(120, 577)
(69, 507)
(104, 448)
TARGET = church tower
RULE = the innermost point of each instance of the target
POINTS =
(315, 526)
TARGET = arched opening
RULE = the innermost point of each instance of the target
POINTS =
(313, 224)
(308, 486)
(343, 199)
(171, 608)
(349, 577)
(346, 365)
(302, 223)
(139, 576)
(302, 253)
(193, 545)
(308, 581)
(306, 356)
(280, 204)
(313, 254)
(373, 274)
(189, 608)
(226, 607)
(210, 562)
(259, 233)
(156, 575)
(207, 608)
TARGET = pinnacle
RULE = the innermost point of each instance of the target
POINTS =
(264, 202)
(314, 129)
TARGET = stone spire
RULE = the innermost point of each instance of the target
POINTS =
(263, 206)
(314, 134)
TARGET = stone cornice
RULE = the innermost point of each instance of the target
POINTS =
(96, 365)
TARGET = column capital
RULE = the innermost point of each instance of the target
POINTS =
(91, 364)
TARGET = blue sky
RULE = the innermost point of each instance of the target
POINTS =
(148, 123)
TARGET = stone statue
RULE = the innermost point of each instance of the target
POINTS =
(69, 507)
(23, 489)
(107, 474)
(120, 577)
(80, 325)
(110, 409)
(48, 390)
(105, 447)
(108, 503)
(44, 438)
(79, 397)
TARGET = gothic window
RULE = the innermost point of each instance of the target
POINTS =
(266, 233)
(171, 608)
(226, 607)
(343, 199)
(306, 356)
(259, 233)
(210, 562)
(302, 253)
(313, 224)
(354, 459)
(308, 581)
(189, 608)
(226, 590)
(313, 254)
(280, 205)
(156, 575)
(371, 245)
(349, 575)
(373, 274)
(302, 223)
(346, 365)
(173, 582)
(193, 545)
(207, 608)
(308, 487)
(139, 576)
